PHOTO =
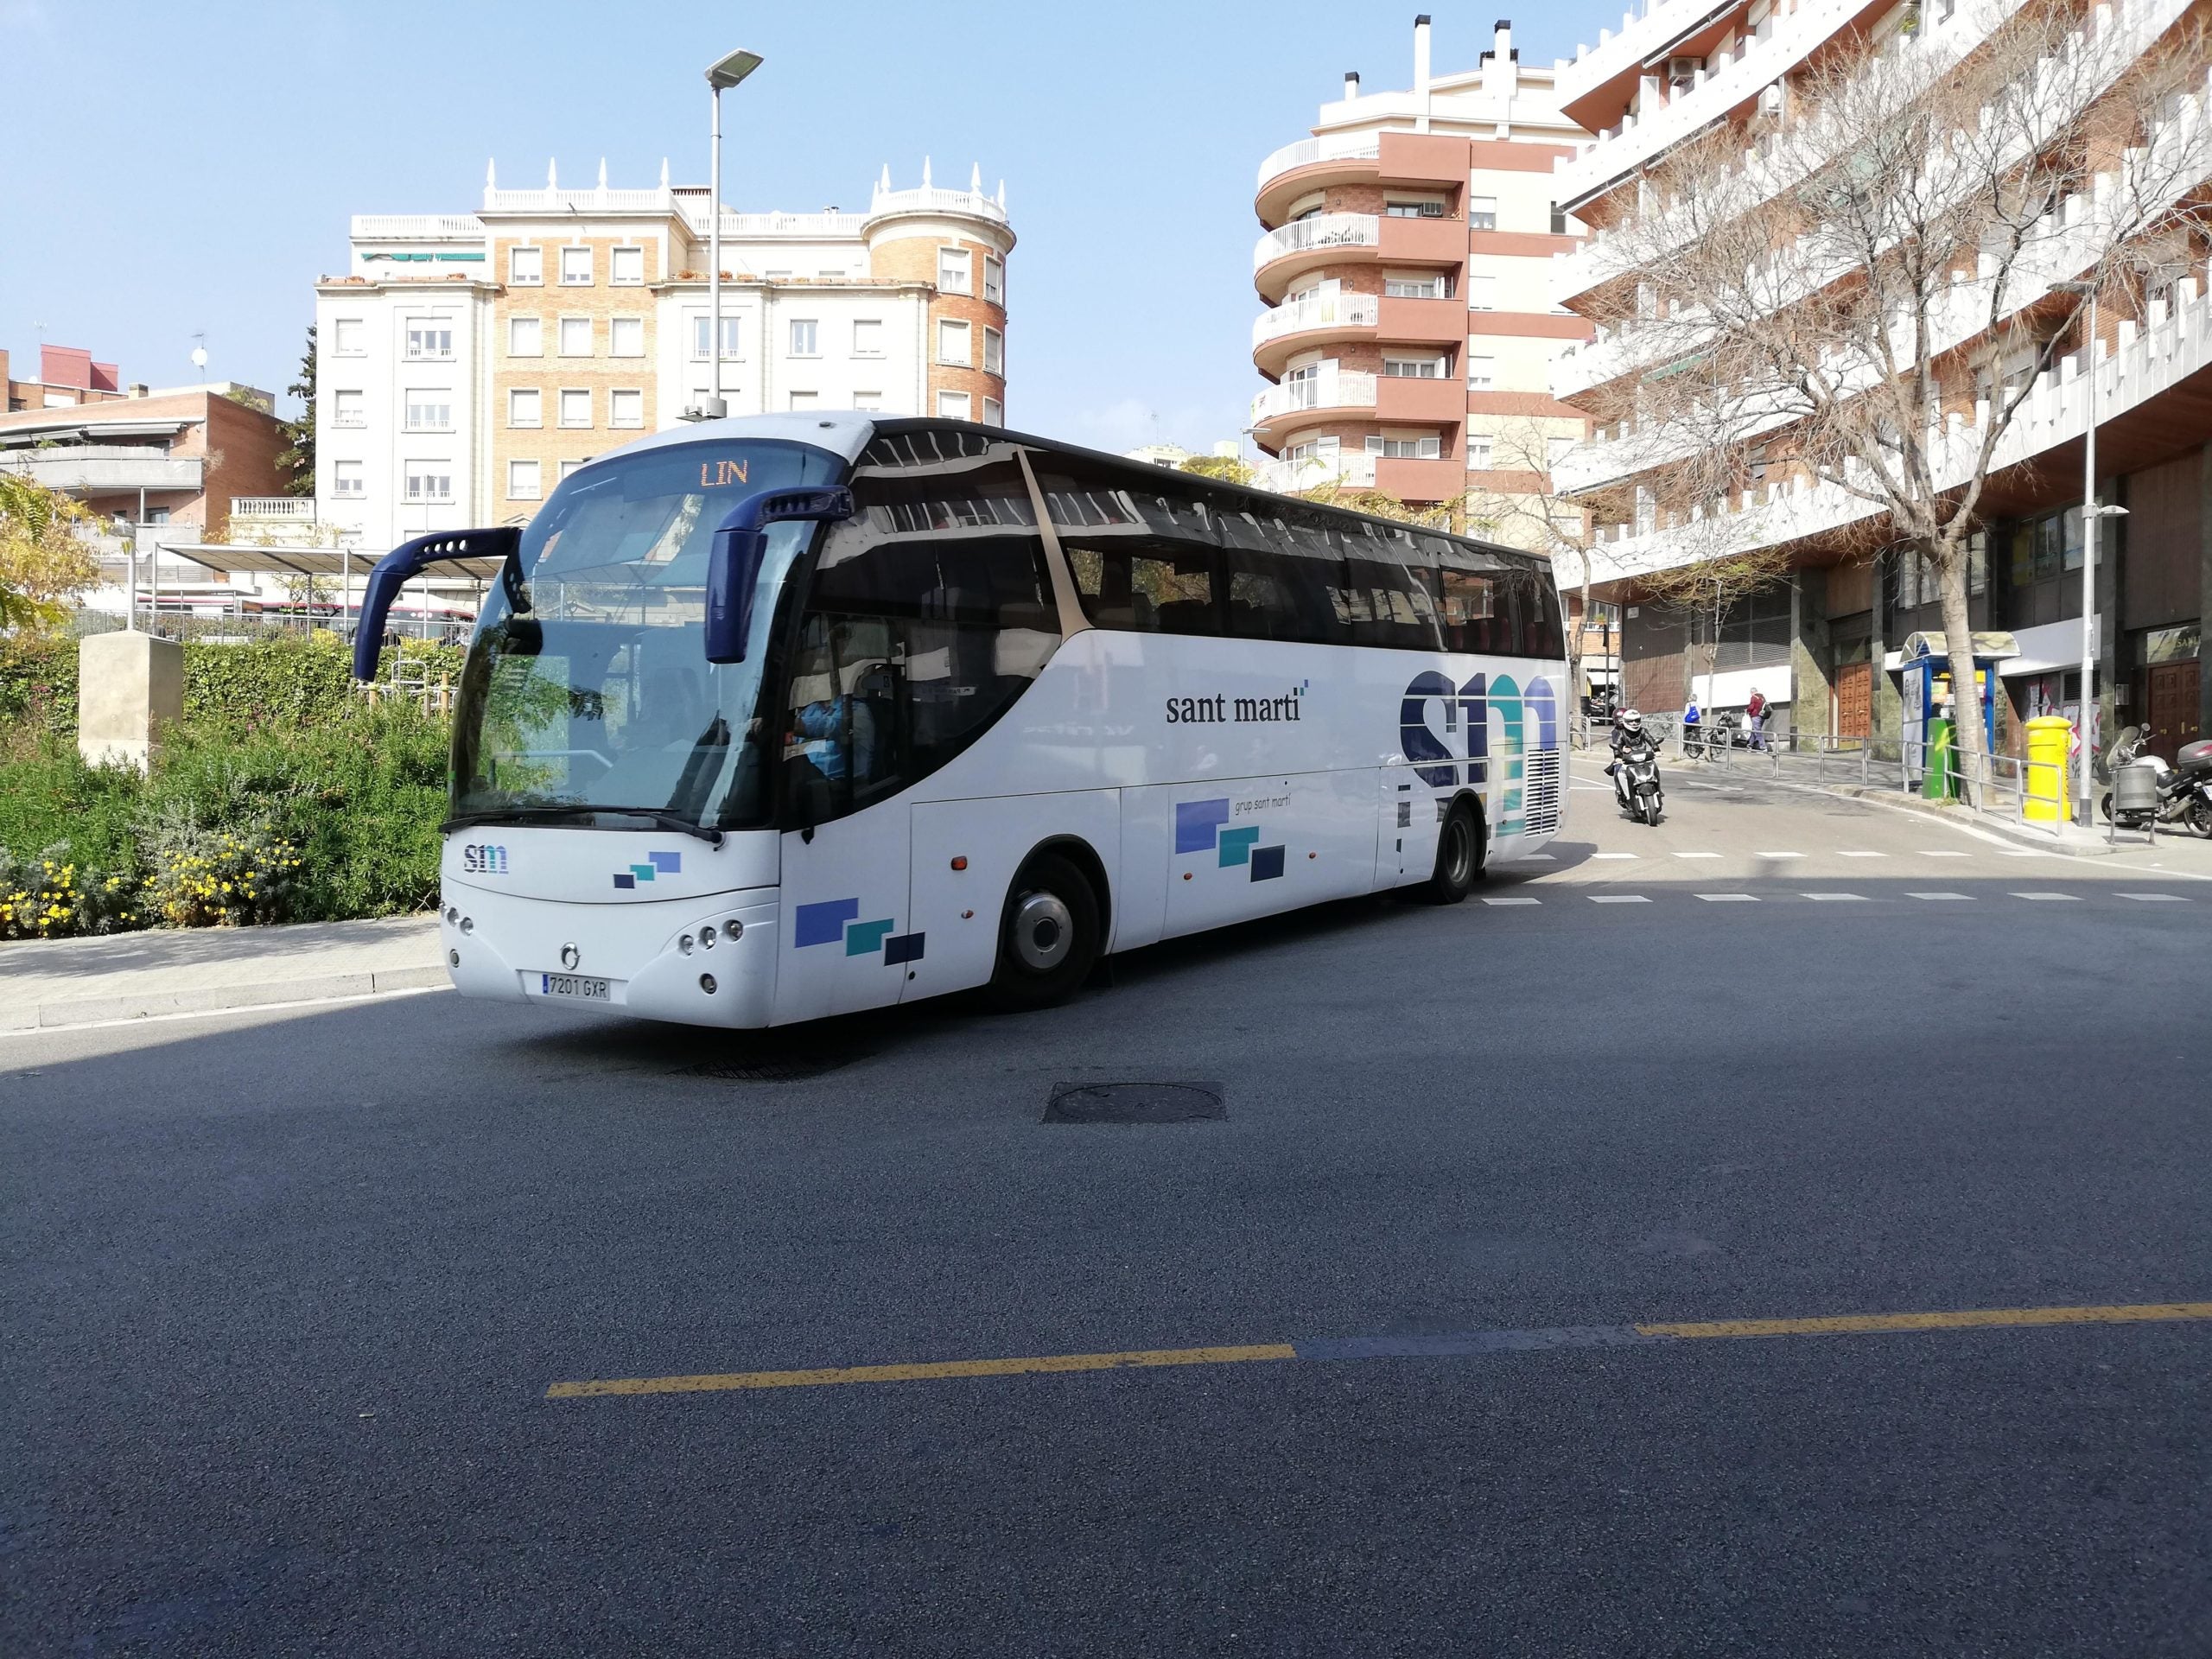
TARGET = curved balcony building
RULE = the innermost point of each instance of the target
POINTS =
(1403, 263)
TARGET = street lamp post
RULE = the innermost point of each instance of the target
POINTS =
(2091, 513)
(724, 72)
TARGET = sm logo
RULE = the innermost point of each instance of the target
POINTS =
(1478, 733)
(477, 859)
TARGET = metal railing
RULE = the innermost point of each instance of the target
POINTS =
(1317, 311)
(1330, 147)
(1322, 231)
(1333, 388)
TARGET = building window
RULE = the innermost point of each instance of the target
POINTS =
(526, 337)
(867, 400)
(526, 267)
(994, 351)
(952, 344)
(345, 408)
(1414, 207)
(625, 408)
(345, 337)
(345, 479)
(1407, 449)
(569, 467)
(1481, 213)
(805, 399)
(1415, 368)
(523, 481)
(430, 411)
(868, 337)
(702, 331)
(1408, 286)
(428, 340)
(575, 407)
(806, 336)
(956, 270)
(1482, 373)
(625, 337)
(993, 412)
(1482, 293)
(994, 279)
(576, 336)
(1478, 459)
(1558, 220)
(953, 406)
(525, 406)
(626, 267)
(575, 267)
(1556, 450)
(430, 480)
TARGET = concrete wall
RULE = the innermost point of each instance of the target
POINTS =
(129, 686)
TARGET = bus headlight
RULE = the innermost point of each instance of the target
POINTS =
(706, 984)
(707, 935)
(684, 943)
(734, 928)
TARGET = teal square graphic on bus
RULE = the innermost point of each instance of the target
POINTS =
(1202, 827)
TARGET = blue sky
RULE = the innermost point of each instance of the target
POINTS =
(187, 167)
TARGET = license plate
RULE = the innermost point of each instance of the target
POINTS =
(590, 990)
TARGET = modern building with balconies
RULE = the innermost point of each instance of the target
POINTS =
(1409, 332)
(468, 362)
(1824, 642)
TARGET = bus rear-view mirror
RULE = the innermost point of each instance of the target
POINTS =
(740, 544)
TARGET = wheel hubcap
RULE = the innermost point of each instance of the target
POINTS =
(1043, 932)
(1462, 850)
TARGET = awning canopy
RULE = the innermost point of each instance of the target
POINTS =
(313, 561)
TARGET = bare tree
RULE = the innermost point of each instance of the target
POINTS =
(1853, 296)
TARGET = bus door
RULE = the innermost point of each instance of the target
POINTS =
(848, 931)
(1397, 824)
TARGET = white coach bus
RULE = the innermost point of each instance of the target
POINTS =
(784, 716)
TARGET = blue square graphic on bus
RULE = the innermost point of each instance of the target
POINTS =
(1202, 827)
(655, 864)
(1196, 822)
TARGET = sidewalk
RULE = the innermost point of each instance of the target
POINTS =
(192, 970)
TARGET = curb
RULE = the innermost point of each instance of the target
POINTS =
(325, 987)
(1966, 818)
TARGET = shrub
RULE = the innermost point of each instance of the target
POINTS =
(214, 878)
(50, 797)
(48, 897)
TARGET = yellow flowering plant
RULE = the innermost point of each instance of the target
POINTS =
(223, 878)
(51, 897)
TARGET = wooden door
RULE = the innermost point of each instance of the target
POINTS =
(2173, 712)
(1854, 700)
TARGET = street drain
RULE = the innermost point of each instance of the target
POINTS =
(1134, 1102)
(768, 1068)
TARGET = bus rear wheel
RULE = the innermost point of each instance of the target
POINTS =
(1049, 937)
(1458, 856)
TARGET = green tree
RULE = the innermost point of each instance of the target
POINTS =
(42, 560)
(1229, 469)
(298, 454)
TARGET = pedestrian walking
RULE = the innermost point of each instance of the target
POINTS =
(1693, 728)
(1755, 718)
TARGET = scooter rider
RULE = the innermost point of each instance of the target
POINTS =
(1628, 733)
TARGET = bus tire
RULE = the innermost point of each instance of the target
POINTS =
(1049, 935)
(1458, 856)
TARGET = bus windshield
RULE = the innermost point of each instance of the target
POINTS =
(586, 688)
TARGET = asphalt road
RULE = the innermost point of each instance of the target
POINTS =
(284, 1293)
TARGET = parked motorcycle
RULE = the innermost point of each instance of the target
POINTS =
(1635, 780)
(2184, 789)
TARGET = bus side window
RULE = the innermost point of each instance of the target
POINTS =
(1469, 608)
(1281, 582)
(1391, 606)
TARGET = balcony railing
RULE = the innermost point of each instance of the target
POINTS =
(1333, 388)
(1322, 231)
(1352, 470)
(1316, 311)
(416, 227)
(273, 507)
(1328, 147)
(2175, 347)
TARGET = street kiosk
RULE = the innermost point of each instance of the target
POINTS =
(1930, 722)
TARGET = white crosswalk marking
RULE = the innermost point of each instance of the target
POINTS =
(2157, 898)
(1697, 854)
(1946, 852)
(1513, 901)
(1613, 855)
(1935, 895)
(1844, 854)
(1729, 897)
(1781, 855)
(2069, 898)
(1535, 858)
(1844, 898)
(1618, 899)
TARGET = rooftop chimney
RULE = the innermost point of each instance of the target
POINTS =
(1420, 72)
(1501, 69)
(1351, 84)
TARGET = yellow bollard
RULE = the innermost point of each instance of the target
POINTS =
(2049, 738)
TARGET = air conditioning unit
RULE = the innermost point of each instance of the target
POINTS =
(1771, 101)
(1431, 210)
(1681, 71)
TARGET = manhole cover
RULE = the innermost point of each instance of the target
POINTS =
(1134, 1102)
(767, 1068)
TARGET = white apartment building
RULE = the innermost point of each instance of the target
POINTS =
(466, 362)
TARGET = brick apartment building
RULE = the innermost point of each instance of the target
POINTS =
(466, 363)
(1825, 644)
(1409, 333)
(66, 377)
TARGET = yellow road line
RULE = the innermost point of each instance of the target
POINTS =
(929, 1371)
(1963, 1319)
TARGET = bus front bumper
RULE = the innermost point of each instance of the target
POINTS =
(676, 959)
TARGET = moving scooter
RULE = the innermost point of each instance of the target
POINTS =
(1635, 780)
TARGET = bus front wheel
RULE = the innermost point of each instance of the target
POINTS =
(1458, 856)
(1049, 938)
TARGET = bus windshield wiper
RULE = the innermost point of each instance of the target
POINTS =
(544, 814)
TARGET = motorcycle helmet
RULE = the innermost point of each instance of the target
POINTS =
(1631, 721)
